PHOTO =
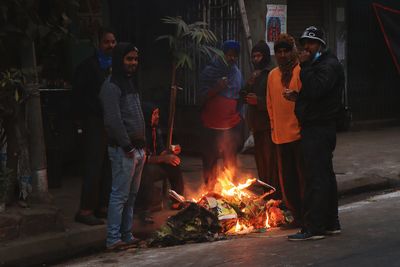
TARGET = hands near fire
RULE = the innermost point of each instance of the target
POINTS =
(171, 158)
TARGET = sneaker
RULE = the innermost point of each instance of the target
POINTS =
(88, 219)
(333, 230)
(305, 235)
(117, 246)
(132, 242)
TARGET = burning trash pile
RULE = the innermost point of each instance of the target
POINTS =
(230, 209)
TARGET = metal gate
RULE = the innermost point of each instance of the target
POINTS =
(223, 18)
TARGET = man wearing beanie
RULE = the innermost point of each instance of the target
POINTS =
(220, 83)
(317, 108)
(124, 122)
(257, 117)
(282, 88)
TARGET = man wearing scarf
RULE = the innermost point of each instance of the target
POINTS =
(257, 117)
(96, 184)
(124, 122)
(317, 108)
(220, 83)
(282, 89)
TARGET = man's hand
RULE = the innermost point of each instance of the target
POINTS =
(253, 77)
(304, 56)
(176, 149)
(222, 83)
(290, 95)
(171, 159)
(251, 99)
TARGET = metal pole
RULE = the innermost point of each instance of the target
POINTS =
(246, 26)
(36, 139)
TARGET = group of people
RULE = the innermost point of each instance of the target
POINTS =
(122, 141)
(291, 111)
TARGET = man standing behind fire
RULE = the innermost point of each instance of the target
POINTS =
(257, 117)
(125, 126)
(317, 109)
(220, 84)
(282, 89)
(96, 184)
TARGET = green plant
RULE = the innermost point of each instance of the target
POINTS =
(186, 38)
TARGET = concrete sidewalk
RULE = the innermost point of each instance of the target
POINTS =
(365, 160)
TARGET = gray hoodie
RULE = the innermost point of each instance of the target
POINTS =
(123, 117)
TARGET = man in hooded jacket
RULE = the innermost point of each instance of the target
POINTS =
(257, 117)
(124, 122)
(317, 108)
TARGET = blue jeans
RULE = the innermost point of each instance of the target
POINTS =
(126, 176)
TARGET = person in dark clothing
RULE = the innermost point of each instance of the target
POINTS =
(124, 122)
(161, 163)
(221, 118)
(317, 109)
(257, 117)
(88, 79)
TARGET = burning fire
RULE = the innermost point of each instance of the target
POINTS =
(251, 210)
(239, 208)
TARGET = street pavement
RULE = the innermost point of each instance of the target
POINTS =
(363, 161)
(369, 238)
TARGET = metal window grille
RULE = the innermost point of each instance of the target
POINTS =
(223, 18)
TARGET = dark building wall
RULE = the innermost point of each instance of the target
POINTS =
(373, 81)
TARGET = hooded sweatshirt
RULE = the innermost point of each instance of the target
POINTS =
(123, 117)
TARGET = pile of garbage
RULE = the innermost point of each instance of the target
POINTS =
(232, 210)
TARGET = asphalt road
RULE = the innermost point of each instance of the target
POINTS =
(370, 237)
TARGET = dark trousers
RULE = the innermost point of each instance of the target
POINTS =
(219, 144)
(265, 153)
(291, 177)
(320, 199)
(152, 173)
(96, 184)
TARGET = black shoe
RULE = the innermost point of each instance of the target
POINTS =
(334, 229)
(88, 219)
(305, 235)
(131, 243)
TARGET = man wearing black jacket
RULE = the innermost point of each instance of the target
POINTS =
(257, 117)
(317, 108)
(89, 77)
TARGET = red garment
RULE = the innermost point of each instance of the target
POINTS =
(220, 112)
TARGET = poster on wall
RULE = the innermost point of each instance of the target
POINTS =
(275, 23)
